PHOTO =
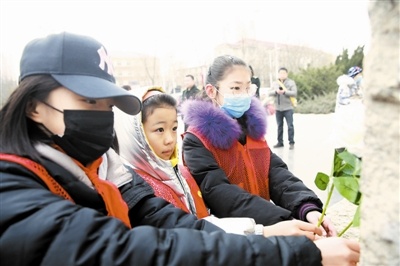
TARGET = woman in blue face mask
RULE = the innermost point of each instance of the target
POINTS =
(226, 152)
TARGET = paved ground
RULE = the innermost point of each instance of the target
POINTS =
(313, 150)
(313, 153)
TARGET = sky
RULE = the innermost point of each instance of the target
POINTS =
(188, 30)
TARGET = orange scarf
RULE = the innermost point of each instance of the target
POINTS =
(112, 197)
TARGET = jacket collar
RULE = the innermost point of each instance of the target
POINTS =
(219, 128)
(64, 161)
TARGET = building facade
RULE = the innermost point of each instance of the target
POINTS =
(139, 70)
(136, 70)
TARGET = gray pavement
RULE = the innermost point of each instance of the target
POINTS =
(313, 150)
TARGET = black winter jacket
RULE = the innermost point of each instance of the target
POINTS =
(41, 228)
(288, 193)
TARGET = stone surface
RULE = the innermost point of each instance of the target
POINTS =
(380, 216)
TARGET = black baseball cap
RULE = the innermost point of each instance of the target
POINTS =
(80, 64)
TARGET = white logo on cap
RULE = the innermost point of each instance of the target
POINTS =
(105, 59)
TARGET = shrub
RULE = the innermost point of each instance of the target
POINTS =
(317, 104)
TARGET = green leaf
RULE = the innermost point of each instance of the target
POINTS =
(351, 159)
(321, 181)
(348, 187)
(346, 163)
(348, 157)
(357, 173)
(337, 162)
(356, 219)
(347, 169)
(357, 168)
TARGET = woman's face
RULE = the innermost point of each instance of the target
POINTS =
(64, 99)
(237, 81)
(161, 131)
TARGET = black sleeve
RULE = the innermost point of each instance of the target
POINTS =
(288, 191)
(147, 209)
(41, 228)
(225, 199)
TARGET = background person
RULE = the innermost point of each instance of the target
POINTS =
(348, 119)
(282, 90)
(189, 92)
(355, 73)
(256, 81)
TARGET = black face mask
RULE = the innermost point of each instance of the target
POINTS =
(88, 134)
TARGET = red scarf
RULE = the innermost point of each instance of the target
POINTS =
(115, 205)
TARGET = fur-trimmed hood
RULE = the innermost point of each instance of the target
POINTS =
(221, 129)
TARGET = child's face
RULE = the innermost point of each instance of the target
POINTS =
(161, 131)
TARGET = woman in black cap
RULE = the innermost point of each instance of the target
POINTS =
(57, 128)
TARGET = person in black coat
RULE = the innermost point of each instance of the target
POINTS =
(256, 81)
(67, 199)
(190, 91)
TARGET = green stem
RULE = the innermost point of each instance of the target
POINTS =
(345, 229)
(321, 219)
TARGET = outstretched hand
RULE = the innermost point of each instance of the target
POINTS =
(338, 251)
(328, 228)
(293, 228)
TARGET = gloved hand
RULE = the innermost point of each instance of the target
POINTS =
(113, 169)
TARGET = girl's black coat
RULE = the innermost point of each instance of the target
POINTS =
(41, 228)
(288, 193)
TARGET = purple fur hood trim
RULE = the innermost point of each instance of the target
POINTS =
(218, 127)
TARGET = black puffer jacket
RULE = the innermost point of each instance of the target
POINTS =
(40, 228)
(288, 193)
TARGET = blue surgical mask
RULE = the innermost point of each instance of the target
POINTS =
(236, 105)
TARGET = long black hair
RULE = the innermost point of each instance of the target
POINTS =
(18, 132)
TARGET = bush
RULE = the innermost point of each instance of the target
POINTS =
(316, 81)
(317, 87)
(317, 104)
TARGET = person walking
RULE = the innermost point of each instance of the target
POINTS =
(285, 91)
